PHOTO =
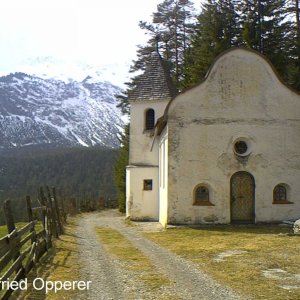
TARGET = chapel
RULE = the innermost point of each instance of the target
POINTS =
(223, 151)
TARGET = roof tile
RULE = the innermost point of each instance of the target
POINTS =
(155, 83)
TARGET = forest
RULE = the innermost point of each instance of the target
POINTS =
(81, 173)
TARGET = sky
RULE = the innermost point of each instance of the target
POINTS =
(96, 32)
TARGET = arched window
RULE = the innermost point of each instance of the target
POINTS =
(149, 119)
(202, 196)
(280, 194)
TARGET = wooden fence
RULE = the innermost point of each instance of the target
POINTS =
(22, 248)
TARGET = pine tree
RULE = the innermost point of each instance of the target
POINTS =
(169, 33)
(296, 83)
(293, 47)
(120, 169)
(263, 28)
(216, 31)
(258, 24)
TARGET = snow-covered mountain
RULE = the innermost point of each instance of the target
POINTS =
(69, 70)
(37, 111)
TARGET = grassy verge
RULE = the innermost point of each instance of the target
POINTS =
(136, 262)
(257, 261)
(3, 232)
(62, 264)
(3, 228)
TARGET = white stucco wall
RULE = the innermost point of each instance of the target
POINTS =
(140, 140)
(128, 192)
(163, 177)
(141, 204)
(143, 163)
(241, 97)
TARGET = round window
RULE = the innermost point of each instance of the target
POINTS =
(240, 147)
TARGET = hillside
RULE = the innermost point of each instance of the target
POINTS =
(80, 172)
(49, 111)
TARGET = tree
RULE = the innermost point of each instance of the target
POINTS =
(293, 47)
(270, 27)
(216, 31)
(120, 169)
(297, 31)
(264, 27)
(169, 33)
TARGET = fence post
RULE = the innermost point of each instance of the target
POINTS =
(74, 206)
(29, 209)
(63, 210)
(53, 219)
(8, 216)
(43, 203)
(61, 229)
(10, 223)
(30, 217)
(45, 219)
(64, 215)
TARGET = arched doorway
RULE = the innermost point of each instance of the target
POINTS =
(242, 198)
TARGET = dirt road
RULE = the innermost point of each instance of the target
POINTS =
(111, 279)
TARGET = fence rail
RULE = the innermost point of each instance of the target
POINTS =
(22, 248)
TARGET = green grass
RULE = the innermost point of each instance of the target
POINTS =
(3, 231)
(264, 249)
(62, 264)
(3, 228)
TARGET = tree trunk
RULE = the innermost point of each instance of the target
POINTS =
(297, 13)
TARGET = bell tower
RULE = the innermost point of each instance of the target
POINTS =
(148, 101)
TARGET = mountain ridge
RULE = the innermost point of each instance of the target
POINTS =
(36, 111)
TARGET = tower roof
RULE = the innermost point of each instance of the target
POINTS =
(155, 83)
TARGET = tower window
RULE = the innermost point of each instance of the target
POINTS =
(149, 119)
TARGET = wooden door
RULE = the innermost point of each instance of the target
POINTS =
(242, 198)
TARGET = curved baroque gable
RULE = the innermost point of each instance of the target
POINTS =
(240, 84)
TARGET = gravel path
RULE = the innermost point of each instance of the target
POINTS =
(112, 280)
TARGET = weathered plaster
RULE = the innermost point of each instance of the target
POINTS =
(141, 204)
(143, 163)
(163, 177)
(140, 144)
(241, 97)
